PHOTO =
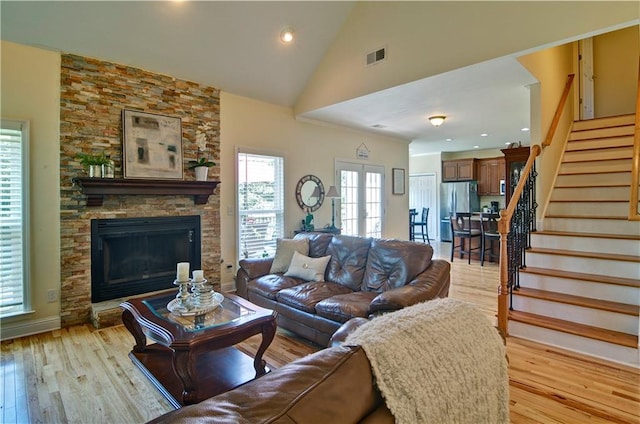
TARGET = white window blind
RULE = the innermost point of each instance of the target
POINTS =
(13, 217)
(260, 204)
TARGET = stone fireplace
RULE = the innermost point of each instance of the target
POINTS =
(93, 95)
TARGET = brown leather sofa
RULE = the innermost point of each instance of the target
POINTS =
(334, 385)
(363, 278)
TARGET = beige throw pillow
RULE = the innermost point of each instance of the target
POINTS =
(285, 249)
(306, 268)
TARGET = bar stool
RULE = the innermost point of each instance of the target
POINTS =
(412, 222)
(461, 228)
(489, 227)
(422, 226)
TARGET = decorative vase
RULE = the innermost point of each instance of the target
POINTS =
(201, 173)
(95, 171)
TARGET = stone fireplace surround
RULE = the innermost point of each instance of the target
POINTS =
(93, 94)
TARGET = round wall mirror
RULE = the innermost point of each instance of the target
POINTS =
(310, 193)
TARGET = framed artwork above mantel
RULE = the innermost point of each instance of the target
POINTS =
(151, 146)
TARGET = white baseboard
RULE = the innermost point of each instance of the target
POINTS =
(228, 287)
(27, 328)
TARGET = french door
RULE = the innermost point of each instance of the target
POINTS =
(361, 195)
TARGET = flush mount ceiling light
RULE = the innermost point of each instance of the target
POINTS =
(436, 121)
(286, 36)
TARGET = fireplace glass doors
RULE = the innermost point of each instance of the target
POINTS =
(139, 255)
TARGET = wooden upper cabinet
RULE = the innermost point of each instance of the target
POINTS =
(490, 172)
(459, 170)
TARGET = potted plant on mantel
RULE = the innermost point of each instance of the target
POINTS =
(201, 165)
(94, 163)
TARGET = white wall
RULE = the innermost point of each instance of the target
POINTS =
(308, 148)
(31, 91)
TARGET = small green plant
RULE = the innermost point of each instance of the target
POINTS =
(87, 160)
(201, 162)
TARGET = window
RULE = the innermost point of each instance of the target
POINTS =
(361, 190)
(14, 218)
(260, 204)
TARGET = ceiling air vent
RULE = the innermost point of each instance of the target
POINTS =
(376, 56)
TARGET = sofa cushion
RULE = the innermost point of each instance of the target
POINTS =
(269, 285)
(394, 263)
(318, 243)
(306, 268)
(343, 307)
(348, 260)
(309, 390)
(284, 252)
(305, 296)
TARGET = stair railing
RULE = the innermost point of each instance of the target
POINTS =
(518, 220)
(634, 213)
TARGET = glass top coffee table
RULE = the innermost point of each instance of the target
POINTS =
(193, 357)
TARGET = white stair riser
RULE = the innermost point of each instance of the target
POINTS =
(593, 317)
(586, 244)
(588, 155)
(601, 132)
(589, 209)
(577, 145)
(591, 289)
(609, 121)
(623, 165)
(591, 193)
(590, 180)
(585, 265)
(611, 352)
(603, 226)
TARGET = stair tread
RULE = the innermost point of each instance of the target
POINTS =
(607, 279)
(588, 331)
(592, 200)
(593, 255)
(587, 302)
(594, 235)
(619, 218)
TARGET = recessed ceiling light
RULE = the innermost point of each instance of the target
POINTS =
(476, 147)
(484, 135)
(525, 129)
(286, 36)
(507, 143)
(448, 139)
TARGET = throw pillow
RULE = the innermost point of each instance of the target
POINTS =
(309, 269)
(284, 252)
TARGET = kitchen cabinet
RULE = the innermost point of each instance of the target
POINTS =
(459, 170)
(490, 172)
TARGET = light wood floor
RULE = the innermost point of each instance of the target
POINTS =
(83, 375)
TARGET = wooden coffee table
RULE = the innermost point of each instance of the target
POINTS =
(194, 359)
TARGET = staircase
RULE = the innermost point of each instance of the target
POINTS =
(581, 287)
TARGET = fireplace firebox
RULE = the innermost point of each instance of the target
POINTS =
(132, 256)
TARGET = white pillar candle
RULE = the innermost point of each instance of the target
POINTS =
(183, 271)
(198, 275)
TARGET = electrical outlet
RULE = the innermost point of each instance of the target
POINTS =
(52, 296)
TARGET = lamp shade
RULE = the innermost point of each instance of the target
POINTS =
(333, 192)
(316, 192)
(436, 121)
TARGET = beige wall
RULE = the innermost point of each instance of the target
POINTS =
(615, 83)
(308, 148)
(551, 68)
(31, 91)
(427, 38)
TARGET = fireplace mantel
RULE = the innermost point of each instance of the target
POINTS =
(96, 188)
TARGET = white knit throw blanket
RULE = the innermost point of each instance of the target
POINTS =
(440, 361)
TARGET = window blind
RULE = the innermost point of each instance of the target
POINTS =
(12, 217)
(260, 204)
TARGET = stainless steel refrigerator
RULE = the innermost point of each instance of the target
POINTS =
(456, 197)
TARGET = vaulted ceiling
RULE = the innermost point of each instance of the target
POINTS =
(449, 58)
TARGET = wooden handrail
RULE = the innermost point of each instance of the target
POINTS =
(504, 229)
(556, 117)
(634, 215)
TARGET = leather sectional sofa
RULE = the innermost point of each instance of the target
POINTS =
(364, 277)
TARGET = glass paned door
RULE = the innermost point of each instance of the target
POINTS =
(361, 190)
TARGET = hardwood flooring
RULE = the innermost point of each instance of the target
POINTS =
(83, 375)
